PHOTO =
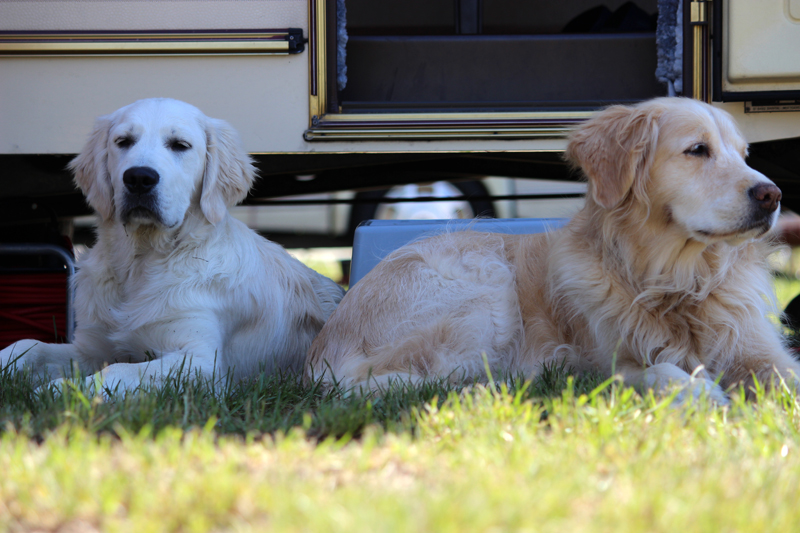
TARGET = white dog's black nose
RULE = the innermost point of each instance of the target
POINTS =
(140, 180)
(767, 196)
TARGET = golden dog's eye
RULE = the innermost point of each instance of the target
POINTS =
(699, 150)
(124, 142)
(177, 145)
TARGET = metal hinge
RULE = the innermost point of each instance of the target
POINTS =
(699, 11)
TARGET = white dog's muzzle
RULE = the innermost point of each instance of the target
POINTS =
(141, 198)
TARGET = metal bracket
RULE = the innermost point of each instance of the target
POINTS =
(297, 44)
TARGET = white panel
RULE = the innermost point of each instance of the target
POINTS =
(762, 40)
(111, 15)
(758, 127)
(794, 10)
(47, 105)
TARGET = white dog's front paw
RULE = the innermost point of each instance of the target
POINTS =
(58, 385)
(13, 355)
(89, 386)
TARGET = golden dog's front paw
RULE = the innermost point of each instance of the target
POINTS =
(666, 379)
(697, 388)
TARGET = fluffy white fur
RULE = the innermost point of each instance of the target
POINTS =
(661, 277)
(174, 281)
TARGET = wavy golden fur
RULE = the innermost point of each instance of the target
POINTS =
(662, 276)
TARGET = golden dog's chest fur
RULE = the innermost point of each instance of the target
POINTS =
(662, 277)
(701, 306)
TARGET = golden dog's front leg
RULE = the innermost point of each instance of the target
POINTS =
(776, 369)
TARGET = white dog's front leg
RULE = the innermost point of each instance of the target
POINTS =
(666, 377)
(46, 361)
(127, 377)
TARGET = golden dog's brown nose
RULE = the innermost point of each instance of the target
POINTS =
(766, 195)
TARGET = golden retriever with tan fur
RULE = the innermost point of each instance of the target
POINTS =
(661, 277)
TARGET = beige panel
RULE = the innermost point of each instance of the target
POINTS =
(110, 15)
(757, 127)
(761, 43)
(794, 10)
(47, 105)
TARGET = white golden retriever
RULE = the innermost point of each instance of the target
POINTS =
(661, 277)
(174, 282)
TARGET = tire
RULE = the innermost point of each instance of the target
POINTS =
(367, 211)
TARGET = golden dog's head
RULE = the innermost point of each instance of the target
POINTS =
(149, 162)
(680, 160)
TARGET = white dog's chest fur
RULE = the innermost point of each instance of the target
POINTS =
(153, 302)
(141, 308)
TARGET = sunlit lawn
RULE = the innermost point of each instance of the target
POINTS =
(554, 455)
(481, 460)
(786, 288)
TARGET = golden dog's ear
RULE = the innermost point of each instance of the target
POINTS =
(614, 149)
(229, 172)
(91, 169)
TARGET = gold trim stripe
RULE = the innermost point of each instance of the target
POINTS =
(318, 95)
(488, 116)
(126, 36)
(422, 126)
(146, 44)
(342, 134)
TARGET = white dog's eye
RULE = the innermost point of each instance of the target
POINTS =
(699, 150)
(178, 145)
(124, 142)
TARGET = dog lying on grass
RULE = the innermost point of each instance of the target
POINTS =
(661, 277)
(174, 282)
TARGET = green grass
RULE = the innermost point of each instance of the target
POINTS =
(268, 405)
(786, 288)
(559, 454)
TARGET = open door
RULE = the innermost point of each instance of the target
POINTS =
(433, 69)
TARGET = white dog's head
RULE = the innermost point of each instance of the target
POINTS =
(684, 162)
(149, 162)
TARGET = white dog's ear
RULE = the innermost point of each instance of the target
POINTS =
(613, 149)
(91, 169)
(229, 171)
